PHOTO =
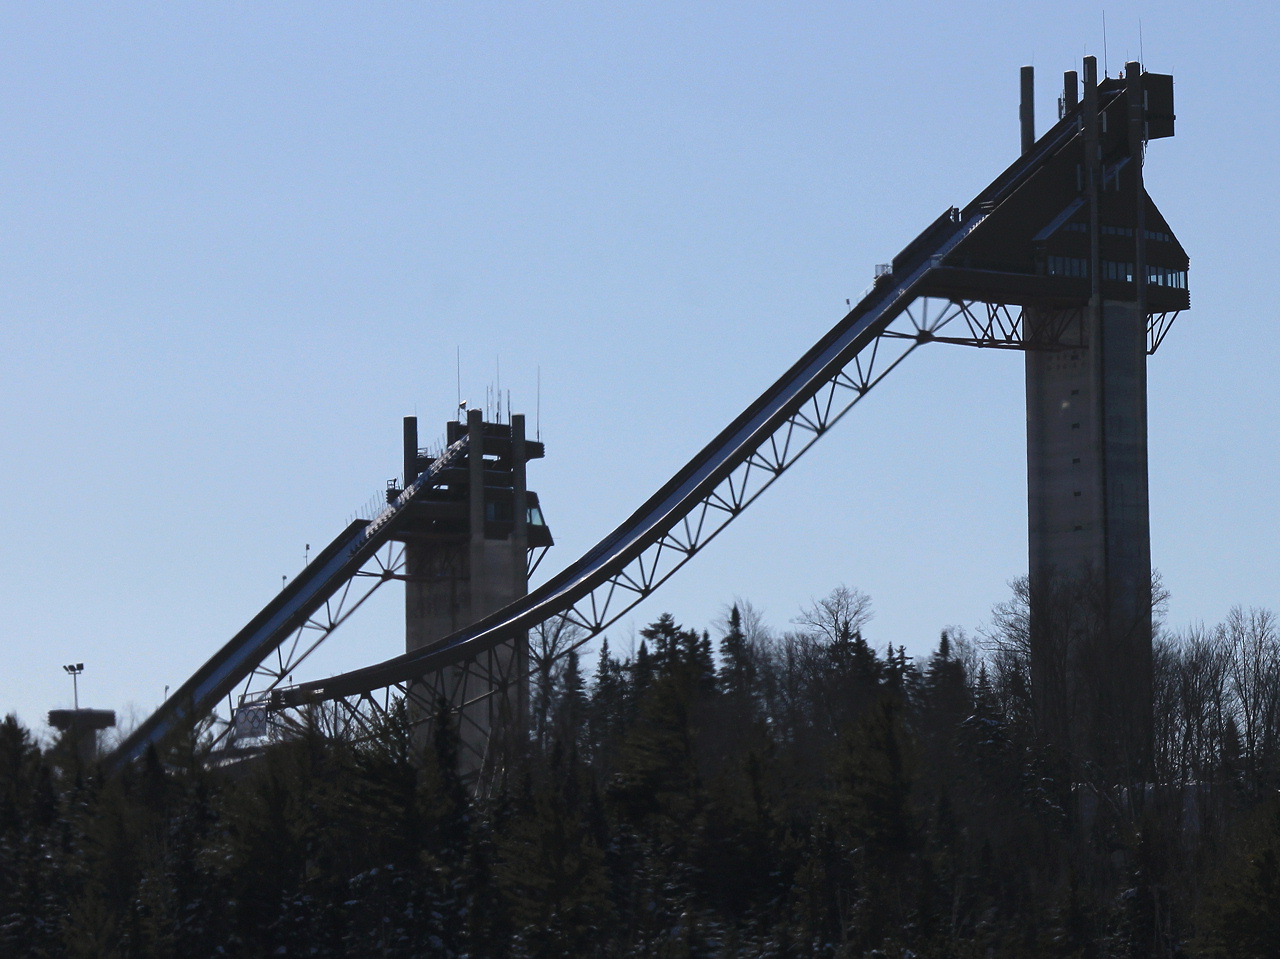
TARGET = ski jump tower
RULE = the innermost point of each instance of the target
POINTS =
(1063, 255)
(1088, 519)
(1068, 236)
(467, 544)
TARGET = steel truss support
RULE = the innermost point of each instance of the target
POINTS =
(246, 715)
(385, 565)
(478, 694)
(480, 690)
(535, 557)
(689, 534)
(1000, 326)
(468, 682)
(1158, 326)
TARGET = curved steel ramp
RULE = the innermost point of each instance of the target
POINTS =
(762, 436)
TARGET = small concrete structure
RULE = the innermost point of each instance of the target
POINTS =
(81, 727)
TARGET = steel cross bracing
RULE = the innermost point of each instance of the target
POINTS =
(289, 614)
(472, 689)
(243, 715)
(242, 719)
(619, 593)
(1000, 326)
(1158, 325)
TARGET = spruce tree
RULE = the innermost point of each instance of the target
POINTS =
(737, 672)
(667, 641)
(571, 708)
(607, 711)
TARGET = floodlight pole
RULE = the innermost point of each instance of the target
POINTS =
(74, 670)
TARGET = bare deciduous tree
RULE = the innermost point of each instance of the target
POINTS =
(1253, 676)
(549, 643)
(839, 615)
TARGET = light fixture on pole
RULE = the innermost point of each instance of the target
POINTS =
(74, 670)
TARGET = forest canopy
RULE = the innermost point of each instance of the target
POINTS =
(724, 791)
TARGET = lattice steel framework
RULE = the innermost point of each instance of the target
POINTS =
(470, 684)
(456, 679)
(244, 715)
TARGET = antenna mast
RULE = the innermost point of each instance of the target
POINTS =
(1105, 72)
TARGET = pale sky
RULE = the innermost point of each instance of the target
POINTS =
(241, 241)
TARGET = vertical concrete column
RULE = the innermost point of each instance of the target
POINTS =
(1066, 530)
(413, 590)
(519, 504)
(1027, 109)
(1089, 546)
(1128, 704)
(475, 499)
(410, 450)
(1064, 473)
(1089, 542)
(431, 601)
(519, 559)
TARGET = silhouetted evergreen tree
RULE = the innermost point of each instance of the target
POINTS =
(610, 708)
(812, 800)
(737, 670)
(702, 661)
(551, 867)
(571, 707)
(29, 880)
(642, 672)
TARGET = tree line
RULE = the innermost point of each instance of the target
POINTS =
(729, 791)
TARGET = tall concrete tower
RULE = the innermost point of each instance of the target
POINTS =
(466, 550)
(1089, 528)
(1081, 248)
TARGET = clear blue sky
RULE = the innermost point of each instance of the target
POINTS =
(240, 241)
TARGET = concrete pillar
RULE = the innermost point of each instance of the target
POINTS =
(457, 575)
(1089, 541)
(475, 500)
(519, 557)
(410, 450)
(519, 503)
(1027, 108)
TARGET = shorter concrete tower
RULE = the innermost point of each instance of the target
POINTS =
(80, 728)
(466, 555)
